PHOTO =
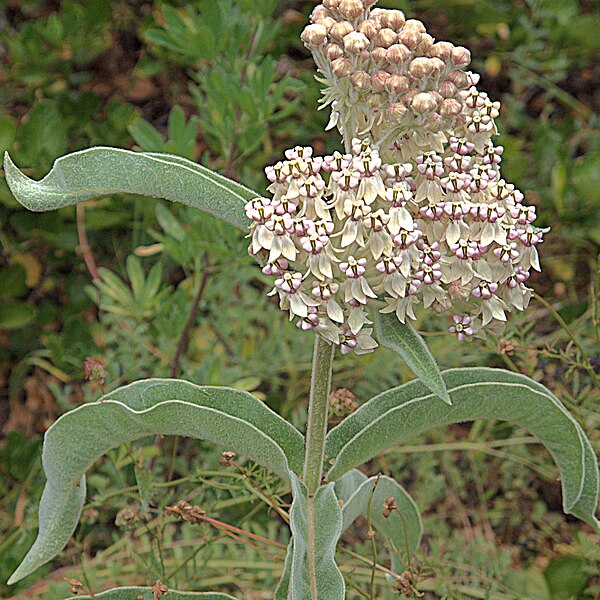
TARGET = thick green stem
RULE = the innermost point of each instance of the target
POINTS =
(320, 385)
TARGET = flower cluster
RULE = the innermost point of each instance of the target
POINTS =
(415, 210)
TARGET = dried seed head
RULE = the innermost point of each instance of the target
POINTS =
(351, 9)
(227, 459)
(314, 35)
(389, 504)
(424, 102)
(159, 590)
(385, 38)
(76, 586)
(340, 30)
(394, 19)
(355, 42)
(342, 67)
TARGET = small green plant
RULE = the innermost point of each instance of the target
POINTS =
(412, 212)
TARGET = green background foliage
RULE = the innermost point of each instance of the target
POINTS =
(229, 85)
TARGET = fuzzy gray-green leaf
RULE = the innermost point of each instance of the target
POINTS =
(479, 393)
(403, 527)
(233, 419)
(101, 170)
(403, 339)
(296, 581)
(145, 593)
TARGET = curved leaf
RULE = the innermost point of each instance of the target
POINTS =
(478, 393)
(322, 513)
(102, 170)
(403, 527)
(403, 339)
(145, 593)
(348, 483)
(231, 418)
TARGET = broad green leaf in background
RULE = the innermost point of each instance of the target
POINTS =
(403, 339)
(145, 593)
(403, 527)
(233, 419)
(101, 170)
(322, 513)
(478, 393)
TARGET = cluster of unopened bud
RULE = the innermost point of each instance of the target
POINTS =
(385, 76)
(185, 511)
(417, 212)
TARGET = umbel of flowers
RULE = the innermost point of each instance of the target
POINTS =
(415, 210)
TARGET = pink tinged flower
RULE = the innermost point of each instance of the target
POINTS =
(462, 327)
(289, 283)
(310, 321)
(359, 146)
(429, 274)
(455, 182)
(324, 290)
(368, 163)
(397, 171)
(519, 276)
(407, 238)
(303, 152)
(523, 214)
(485, 290)
(312, 187)
(377, 220)
(337, 162)
(458, 162)
(388, 265)
(455, 210)
(347, 341)
(347, 179)
(429, 164)
(487, 212)
(399, 195)
(281, 224)
(278, 173)
(353, 269)
(314, 243)
(479, 123)
(430, 253)
(285, 205)
(493, 154)
(259, 210)
(465, 249)
(507, 252)
(276, 268)
(433, 212)
(461, 146)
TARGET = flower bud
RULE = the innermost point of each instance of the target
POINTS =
(334, 51)
(340, 30)
(397, 111)
(447, 89)
(351, 9)
(394, 19)
(369, 3)
(331, 4)
(385, 38)
(379, 81)
(355, 42)
(397, 54)
(320, 12)
(327, 22)
(314, 35)
(441, 50)
(369, 28)
(461, 57)
(415, 25)
(377, 14)
(450, 108)
(361, 80)
(342, 67)
(379, 56)
(459, 79)
(424, 102)
(397, 84)
(409, 38)
(420, 68)
(425, 43)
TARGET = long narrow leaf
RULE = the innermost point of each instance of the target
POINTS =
(480, 393)
(403, 339)
(232, 419)
(326, 527)
(102, 170)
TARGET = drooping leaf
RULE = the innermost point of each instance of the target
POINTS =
(320, 517)
(403, 527)
(233, 419)
(101, 170)
(479, 393)
(348, 483)
(145, 593)
(403, 339)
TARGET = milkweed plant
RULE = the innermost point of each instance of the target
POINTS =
(413, 212)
